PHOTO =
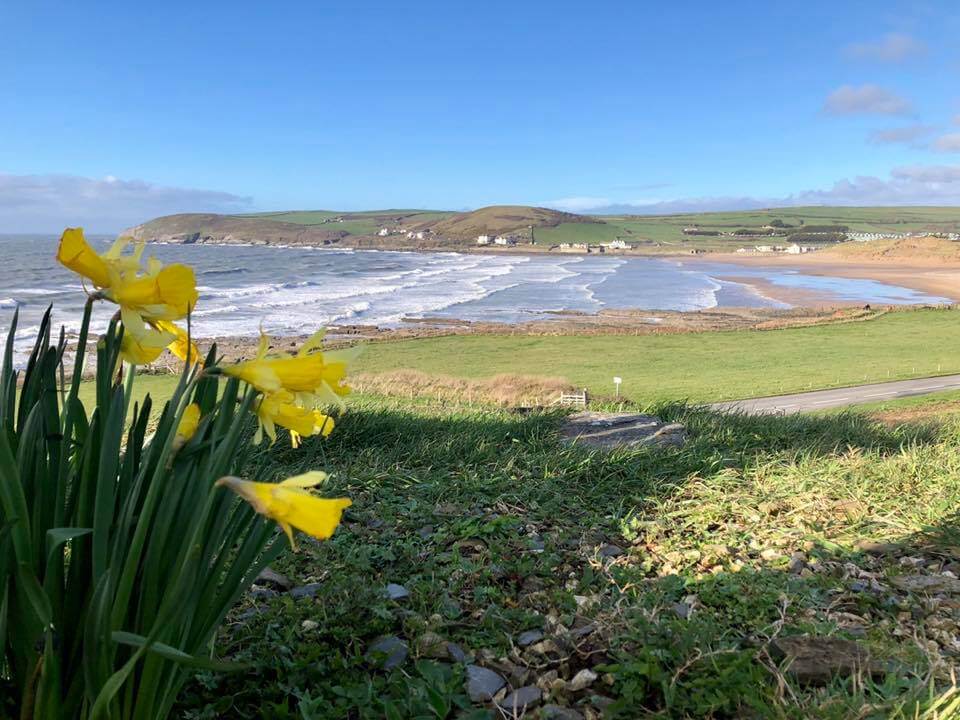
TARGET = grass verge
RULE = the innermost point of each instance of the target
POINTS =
(670, 575)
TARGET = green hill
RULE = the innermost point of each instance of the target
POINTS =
(424, 229)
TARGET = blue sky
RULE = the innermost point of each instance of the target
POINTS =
(111, 113)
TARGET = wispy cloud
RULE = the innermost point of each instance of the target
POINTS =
(48, 203)
(893, 47)
(949, 143)
(907, 135)
(576, 204)
(905, 185)
(865, 100)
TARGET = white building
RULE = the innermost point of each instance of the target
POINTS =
(618, 245)
(483, 239)
(504, 240)
(419, 235)
(383, 232)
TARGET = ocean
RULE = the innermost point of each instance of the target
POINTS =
(293, 291)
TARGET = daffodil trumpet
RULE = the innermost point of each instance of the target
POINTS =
(291, 504)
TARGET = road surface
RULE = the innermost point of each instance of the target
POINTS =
(823, 399)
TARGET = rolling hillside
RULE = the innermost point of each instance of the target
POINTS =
(426, 229)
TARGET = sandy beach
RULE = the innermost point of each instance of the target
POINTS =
(932, 276)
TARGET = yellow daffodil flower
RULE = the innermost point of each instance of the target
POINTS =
(187, 427)
(279, 409)
(291, 504)
(76, 254)
(314, 377)
(143, 349)
(154, 293)
(181, 346)
(189, 421)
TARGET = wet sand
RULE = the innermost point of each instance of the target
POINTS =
(929, 276)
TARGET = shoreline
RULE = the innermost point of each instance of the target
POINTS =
(794, 297)
(932, 277)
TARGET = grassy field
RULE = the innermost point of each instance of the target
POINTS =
(664, 579)
(651, 234)
(701, 366)
(874, 219)
(659, 582)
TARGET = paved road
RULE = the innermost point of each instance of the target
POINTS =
(822, 399)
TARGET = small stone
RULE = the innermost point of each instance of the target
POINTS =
(456, 653)
(387, 652)
(536, 544)
(545, 647)
(482, 684)
(682, 610)
(583, 631)
(546, 680)
(396, 592)
(872, 547)
(431, 645)
(798, 562)
(816, 660)
(529, 637)
(769, 554)
(610, 551)
(520, 699)
(273, 579)
(309, 625)
(927, 583)
(262, 593)
(306, 591)
(425, 532)
(557, 712)
(582, 680)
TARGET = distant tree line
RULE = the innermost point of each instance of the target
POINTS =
(755, 231)
(819, 229)
(802, 237)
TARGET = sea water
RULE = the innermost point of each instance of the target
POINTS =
(292, 291)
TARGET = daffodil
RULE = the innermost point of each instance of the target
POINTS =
(279, 408)
(144, 348)
(181, 345)
(291, 504)
(189, 421)
(155, 293)
(187, 427)
(75, 253)
(314, 377)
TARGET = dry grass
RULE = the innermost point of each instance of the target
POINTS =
(503, 390)
(918, 249)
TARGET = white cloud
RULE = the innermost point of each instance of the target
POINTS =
(893, 47)
(906, 185)
(576, 204)
(907, 135)
(949, 143)
(864, 99)
(937, 174)
(48, 203)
